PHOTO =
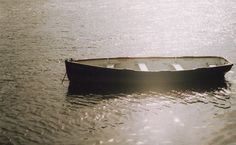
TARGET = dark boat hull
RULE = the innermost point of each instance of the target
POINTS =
(85, 74)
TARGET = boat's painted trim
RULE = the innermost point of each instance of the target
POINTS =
(149, 57)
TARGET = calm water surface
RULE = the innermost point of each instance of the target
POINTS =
(37, 35)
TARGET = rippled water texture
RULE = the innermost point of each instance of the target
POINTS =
(37, 35)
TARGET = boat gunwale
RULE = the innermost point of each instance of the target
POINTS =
(229, 64)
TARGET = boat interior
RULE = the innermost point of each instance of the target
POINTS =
(156, 63)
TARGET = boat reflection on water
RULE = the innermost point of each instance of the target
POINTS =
(108, 89)
(216, 93)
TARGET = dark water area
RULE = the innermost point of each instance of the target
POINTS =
(37, 35)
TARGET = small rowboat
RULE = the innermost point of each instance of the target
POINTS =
(147, 70)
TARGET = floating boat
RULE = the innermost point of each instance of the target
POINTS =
(147, 70)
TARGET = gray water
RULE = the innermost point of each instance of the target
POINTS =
(37, 35)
